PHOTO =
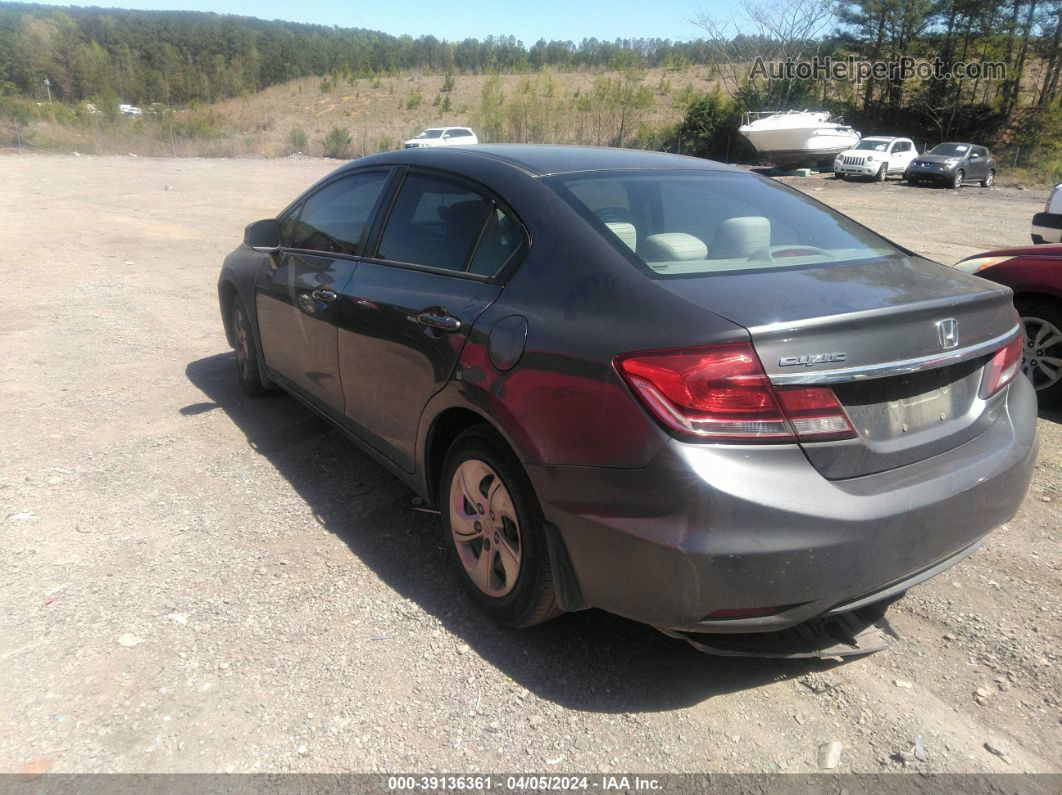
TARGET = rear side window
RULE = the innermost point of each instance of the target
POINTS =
(442, 224)
(501, 239)
(335, 219)
(685, 223)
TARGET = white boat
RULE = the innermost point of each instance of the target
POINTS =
(795, 137)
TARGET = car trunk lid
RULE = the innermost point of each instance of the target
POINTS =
(902, 342)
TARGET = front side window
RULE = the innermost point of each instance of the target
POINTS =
(335, 219)
(684, 223)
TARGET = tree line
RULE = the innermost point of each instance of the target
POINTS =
(177, 57)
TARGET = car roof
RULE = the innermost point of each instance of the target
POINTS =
(545, 159)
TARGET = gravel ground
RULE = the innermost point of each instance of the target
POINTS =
(198, 582)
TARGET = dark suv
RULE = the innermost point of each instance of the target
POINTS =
(952, 165)
(653, 384)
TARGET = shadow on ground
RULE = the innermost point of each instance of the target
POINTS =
(589, 661)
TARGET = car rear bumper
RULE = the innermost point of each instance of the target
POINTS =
(1047, 228)
(716, 527)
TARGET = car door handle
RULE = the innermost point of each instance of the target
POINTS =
(324, 294)
(440, 320)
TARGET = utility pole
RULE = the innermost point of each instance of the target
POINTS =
(48, 86)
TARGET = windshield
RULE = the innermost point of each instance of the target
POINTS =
(874, 146)
(950, 150)
(682, 223)
(431, 133)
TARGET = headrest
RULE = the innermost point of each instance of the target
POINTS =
(625, 232)
(741, 237)
(672, 247)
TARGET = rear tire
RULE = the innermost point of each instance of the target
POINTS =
(990, 177)
(1041, 321)
(247, 369)
(494, 531)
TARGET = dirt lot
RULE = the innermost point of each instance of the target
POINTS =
(198, 582)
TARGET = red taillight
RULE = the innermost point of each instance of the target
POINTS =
(1001, 369)
(722, 393)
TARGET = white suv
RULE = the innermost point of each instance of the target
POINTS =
(875, 157)
(1047, 226)
(442, 136)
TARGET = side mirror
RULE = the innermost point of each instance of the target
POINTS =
(263, 235)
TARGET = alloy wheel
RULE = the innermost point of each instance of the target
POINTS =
(958, 179)
(1041, 358)
(485, 528)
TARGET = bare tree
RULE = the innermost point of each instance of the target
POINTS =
(775, 30)
(1052, 57)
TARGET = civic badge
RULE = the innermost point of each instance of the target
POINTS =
(948, 333)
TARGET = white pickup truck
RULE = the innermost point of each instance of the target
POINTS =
(1047, 226)
(875, 157)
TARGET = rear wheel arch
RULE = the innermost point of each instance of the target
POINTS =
(1029, 296)
(445, 429)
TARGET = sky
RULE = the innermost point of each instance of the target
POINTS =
(528, 20)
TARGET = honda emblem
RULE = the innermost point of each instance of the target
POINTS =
(948, 333)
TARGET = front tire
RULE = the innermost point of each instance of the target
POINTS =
(990, 177)
(494, 531)
(1041, 349)
(882, 173)
(958, 179)
(246, 353)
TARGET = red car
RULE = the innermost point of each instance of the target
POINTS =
(1035, 275)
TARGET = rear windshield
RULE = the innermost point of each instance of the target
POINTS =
(682, 223)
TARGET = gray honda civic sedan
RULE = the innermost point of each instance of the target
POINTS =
(652, 384)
